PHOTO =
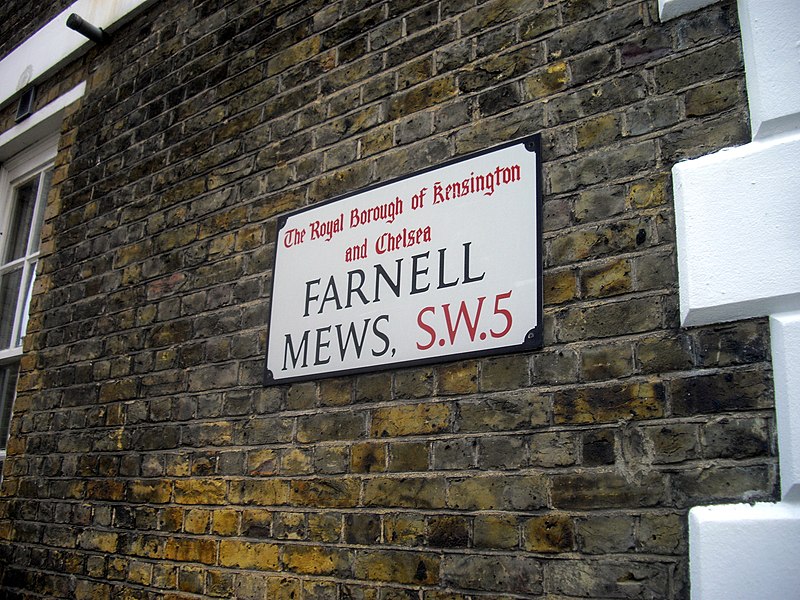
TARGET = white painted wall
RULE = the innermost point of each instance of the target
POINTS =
(738, 238)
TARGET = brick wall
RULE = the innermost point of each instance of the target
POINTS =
(147, 460)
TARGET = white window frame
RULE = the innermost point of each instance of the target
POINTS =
(33, 160)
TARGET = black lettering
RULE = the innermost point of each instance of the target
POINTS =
(380, 273)
(331, 295)
(442, 282)
(309, 298)
(320, 344)
(467, 277)
(288, 351)
(415, 271)
(358, 343)
(381, 335)
(357, 289)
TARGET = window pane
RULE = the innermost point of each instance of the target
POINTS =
(19, 227)
(23, 322)
(36, 232)
(8, 386)
(9, 293)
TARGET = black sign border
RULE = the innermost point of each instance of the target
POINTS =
(534, 339)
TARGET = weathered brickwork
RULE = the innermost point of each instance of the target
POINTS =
(146, 460)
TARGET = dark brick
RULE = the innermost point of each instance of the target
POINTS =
(739, 390)
(448, 532)
(502, 453)
(604, 534)
(454, 454)
(362, 529)
(698, 66)
(736, 438)
(674, 443)
(723, 485)
(609, 404)
(514, 574)
(609, 579)
(598, 448)
(726, 345)
(597, 490)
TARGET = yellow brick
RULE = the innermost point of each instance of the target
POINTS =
(105, 489)
(296, 461)
(197, 520)
(317, 560)
(549, 533)
(648, 193)
(458, 378)
(145, 546)
(610, 404)
(326, 493)
(294, 55)
(262, 462)
(200, 491)
(412, 492)
(225, 522)
(257, 523)
(261, 492)
(560, 286)
(547, 82)
(191, 550)
(158, 491)
(496, 531)
(101, 541)
(336, 392)
(368, 457)
(283, 588)
(607, 280)
(404, 530)
(170, 519)
(411, 419)
(324, 527)
(248, 555)
(140, 572)
(597, 131)
(492, 492)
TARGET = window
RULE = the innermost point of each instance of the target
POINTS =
(24, 184)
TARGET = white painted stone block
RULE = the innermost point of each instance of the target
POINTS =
(738, 231)
(744, 552)
(771, 45)
(785, 340)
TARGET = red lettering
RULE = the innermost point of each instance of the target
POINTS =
(472, 326)
(430, 330)
(502, 311)
(391, 242)
(460, 317)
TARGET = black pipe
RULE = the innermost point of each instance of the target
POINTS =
(86, 29)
